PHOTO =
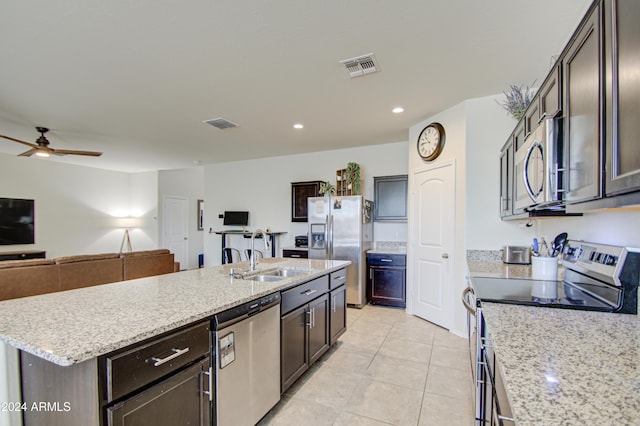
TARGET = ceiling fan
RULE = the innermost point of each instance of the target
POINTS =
(41, 147)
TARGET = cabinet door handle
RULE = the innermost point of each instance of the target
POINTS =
(333, 303)
(294, 255)
(309, 292)
(386, 260)
(176, 353)
(210, 376)
(341, 277)
(313, 317)
(309, 323)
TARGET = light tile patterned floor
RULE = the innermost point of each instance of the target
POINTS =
(388, 368)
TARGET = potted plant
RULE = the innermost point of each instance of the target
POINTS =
(517, 99)
(353, 177)
(326, 189)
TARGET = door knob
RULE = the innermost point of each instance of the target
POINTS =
(445, 255)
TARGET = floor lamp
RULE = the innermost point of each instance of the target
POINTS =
(127, 222)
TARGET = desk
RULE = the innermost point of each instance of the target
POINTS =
(247, 234)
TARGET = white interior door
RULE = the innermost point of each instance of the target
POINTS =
(175, 228)
(432, 243)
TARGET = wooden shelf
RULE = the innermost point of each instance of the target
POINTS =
(342, 188)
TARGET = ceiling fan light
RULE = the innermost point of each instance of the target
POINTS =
(43, 154)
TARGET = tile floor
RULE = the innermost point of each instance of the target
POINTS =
(389, 368)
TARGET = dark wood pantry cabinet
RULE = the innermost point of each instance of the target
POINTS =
(300, 191)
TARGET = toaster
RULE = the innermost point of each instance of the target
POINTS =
(516, 254)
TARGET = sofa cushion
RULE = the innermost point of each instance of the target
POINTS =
(86, 257)
(144, 266)
(25, 262)
(145, 253)
(29, 280)
(86, 273)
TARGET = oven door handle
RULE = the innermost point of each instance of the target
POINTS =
(465, 301)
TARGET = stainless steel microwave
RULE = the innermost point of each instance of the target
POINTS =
(539, 168)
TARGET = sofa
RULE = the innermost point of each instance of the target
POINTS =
(22, 278)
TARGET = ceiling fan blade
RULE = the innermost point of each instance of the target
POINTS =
(28, 153)
(74, 152)
(19, 141)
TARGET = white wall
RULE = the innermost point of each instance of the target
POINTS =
(76, 207)
(263, 187)
(189, 184)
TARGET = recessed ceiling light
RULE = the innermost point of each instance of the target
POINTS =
(397, 110)
(298, 126)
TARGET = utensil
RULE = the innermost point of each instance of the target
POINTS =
(558, 244)
(535, 247)
(545, 247)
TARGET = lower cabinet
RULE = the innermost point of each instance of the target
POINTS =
(313, 318)
(387, 279)
(338, 313)
(162, 381)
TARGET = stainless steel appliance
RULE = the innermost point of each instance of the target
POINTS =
(246, 350)
(597, 277)
(340, 228)
(539, 168)
(516, 254)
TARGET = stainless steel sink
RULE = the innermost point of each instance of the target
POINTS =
(284, 272)
(266, 278)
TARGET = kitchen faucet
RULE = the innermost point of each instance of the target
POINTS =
(252, 260)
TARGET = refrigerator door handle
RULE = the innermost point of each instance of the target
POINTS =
(331, 240)
(326, 236)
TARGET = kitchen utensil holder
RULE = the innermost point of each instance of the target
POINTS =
(544, 268)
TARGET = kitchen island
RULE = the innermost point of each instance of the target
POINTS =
(73, 326)
(87, 352)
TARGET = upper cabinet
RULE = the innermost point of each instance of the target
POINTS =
(300, 191)
(583, 110)
(595, 89)
(506, 179)
(390, 198)
(622, 62)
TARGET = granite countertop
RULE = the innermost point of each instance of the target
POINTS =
(73, 326)
(567, 367)
(389, 247)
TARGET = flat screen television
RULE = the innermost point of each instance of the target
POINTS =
(236, 218)
(16, 221)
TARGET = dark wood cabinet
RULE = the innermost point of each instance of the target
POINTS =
(314, 315)
(387, 279)
(319, 328)
(390, 203)
(583, 128)
(19, 255)
(506, 179)
(623, 97)
(294, 350)
(338, 313)
(125, 387)
(300, 191)
(550, 95)
(295, 253)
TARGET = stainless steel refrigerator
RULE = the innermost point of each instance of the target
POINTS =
(340, 228)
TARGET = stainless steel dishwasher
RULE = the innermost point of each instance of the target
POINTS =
(247, 353)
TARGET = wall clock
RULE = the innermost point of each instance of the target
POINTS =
(431, 141)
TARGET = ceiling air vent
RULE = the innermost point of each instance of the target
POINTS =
(221, 123)
(361, 65)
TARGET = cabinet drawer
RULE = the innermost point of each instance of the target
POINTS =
(381, 259)
(338, 278)
(129, 370)
(304, 293)
(301, 254)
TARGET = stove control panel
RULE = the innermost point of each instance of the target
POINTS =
(604, 260)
